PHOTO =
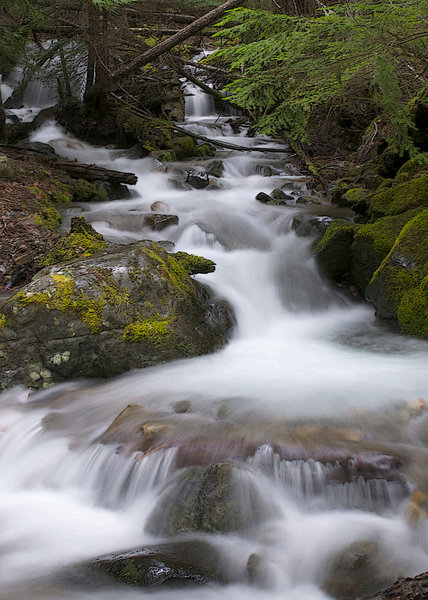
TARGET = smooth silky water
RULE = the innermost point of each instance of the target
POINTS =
(301, 354)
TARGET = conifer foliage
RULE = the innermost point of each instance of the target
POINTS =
(288, 69)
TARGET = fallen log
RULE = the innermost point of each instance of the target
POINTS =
(79, 170)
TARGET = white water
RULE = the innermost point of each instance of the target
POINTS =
(300, 351)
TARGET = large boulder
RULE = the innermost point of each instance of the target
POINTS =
(220, 498)
(128, 307)
(399, 287)
(186, 562)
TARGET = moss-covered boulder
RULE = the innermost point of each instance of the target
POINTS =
(220, 498)
(82, 240)
(128, 307)
(333, 251)
(371, 243)
(155, 136)
(399, 286)
(399, 198)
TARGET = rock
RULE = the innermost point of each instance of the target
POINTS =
(333, 251)
(157, 222)
(417, 509)
(265, 198)
(187, 562)
(399, 287)
(355, 198)
(182, 406)
(220, 498)
(399, 198)
(278, 194)
(307, 200)
(310, 225)
(125, 308)
(371, 243)
(113, 191)
(215, 168)
(359, 570)
(264, 170)
(159, 207)
(36, 148)
(158, 166)
(198, 179)
(409, 588)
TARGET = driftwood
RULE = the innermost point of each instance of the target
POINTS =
(165, 46)
(79, 170)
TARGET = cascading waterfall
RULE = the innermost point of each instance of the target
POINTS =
(301, 353)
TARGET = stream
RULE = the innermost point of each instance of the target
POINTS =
(306, 365)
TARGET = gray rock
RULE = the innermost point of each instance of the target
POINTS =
(36, 148)
(265, 198)
(220, 498)
(307, 200)
(198, 179)
(157, 222)
(130, 307)
(215, 168)
(278, 194)
(310, 226)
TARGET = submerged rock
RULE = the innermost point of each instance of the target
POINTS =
(129, 307)
(157, 222)
(181, 563)
(359, 570)
(198, 179)
(220, 498)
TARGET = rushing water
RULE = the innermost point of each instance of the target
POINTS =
(301, 355)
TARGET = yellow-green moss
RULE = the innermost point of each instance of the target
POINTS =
(172, 271)
(64, 297)
(412, 312)
(49, 217)
(3, 321)
(356, 198)
(415, 166)
(61, 193)
(400, 197)
(193, 264)
(84, 191)
(155, 329)
(73, 246)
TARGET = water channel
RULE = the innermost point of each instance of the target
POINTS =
(305, 363)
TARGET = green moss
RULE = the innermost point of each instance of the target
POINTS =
(414, 167)
(412, 312)
(194, 264)
(399, 284)
(400, 198)
(72, 246)
(204, 150)
(3, 321)
(48, 217)
(172, 271)
(63, 296)
(386, 183)
(84, 191)
(61, 193)
(157, 330)
(356, 198)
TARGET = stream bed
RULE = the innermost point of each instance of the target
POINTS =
(307, 377)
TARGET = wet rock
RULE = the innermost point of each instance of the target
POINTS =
(182, 406)
(264, 198)
(159, 207)
(188, 562)
(36, 148)
(215, 168)
(333, 251)
(198, 179)
(264, 170)
(217, 499)
(409, 588)
(278, 194)
(359, 570)
(158, 166)
(310, 226)
(128, 307)
(114, 191)
(308, 200)
(157, 222)
(399, 287)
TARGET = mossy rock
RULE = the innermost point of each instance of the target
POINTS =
(398, 287)
(181, 563)
(414, 167)
(220, 498)
(400, 198)
(356, 198)
(85, 191)
(82, 240)
(371, 243)
(127, 307)
(155, 134)
(333, 251)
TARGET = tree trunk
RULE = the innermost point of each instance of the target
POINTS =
(177, 38)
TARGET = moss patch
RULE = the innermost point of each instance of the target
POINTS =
(82, 240)
(333, 251)
(156, 330)
(3, 321)
(400, 198)
(84, 191)
(194, 264)
(399, 284)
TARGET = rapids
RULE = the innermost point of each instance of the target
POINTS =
(301, 354)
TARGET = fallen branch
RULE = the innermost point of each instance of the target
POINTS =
(95, 173)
